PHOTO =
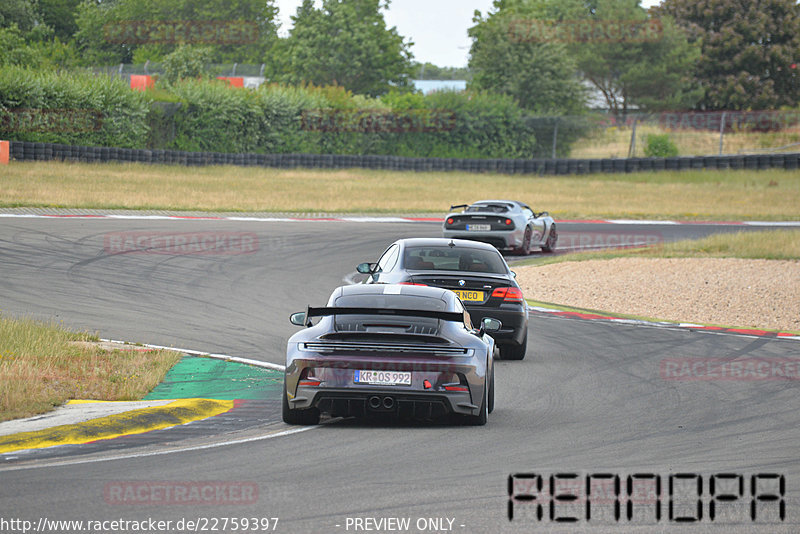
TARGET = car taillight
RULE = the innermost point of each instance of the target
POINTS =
(508, 222)
(307, 377)
(457, 382)
(311, 381)
(450, 220)
(508, 294)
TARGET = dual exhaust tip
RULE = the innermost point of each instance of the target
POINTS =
(376, 403)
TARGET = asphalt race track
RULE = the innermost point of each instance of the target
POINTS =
(588, 399)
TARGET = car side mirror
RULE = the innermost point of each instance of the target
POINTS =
(366, 268)
(490, 325)
(298, 319)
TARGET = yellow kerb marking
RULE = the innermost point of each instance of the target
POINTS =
(175, 413)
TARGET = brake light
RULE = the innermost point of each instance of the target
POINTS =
(307, 377)
(450, 220)
(508, 294)
(310, 382)
(456, 388)
(508, 222)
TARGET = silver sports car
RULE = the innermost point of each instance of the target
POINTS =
(509, 225)
(407, 351)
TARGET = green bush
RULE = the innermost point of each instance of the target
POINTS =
(216, 117)
(210, 115)
(330, 120)
(72, 108)
(660, 146)
(186, 62)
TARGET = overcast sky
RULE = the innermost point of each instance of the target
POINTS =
(438, 28)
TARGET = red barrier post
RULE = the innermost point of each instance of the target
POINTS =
(141, 82)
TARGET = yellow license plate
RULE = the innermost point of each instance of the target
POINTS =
(469, 296)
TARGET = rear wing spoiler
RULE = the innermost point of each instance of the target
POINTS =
(385, 312)
(459, 206)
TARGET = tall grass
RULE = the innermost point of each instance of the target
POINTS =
(687, 195)
(42, 365)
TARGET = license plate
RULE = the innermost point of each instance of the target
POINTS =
(479, 227)
(383, 378)
(469, 296)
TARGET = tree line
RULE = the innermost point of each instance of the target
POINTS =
(544, 54)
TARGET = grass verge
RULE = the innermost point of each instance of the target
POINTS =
(42, 365)
(614, 142)
(683, 195)
(767, 245)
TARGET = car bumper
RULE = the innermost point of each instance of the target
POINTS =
(515, 323)
(425, 397)
(358, 402)
(500, 240)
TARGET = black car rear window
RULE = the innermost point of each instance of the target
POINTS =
(389, 324)
(401, 302)
(444, 258)
(492, 208)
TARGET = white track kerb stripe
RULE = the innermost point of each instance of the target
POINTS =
(257, 363)
(377, 220)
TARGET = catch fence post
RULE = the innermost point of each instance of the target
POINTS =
(632, 146)
(555, 138)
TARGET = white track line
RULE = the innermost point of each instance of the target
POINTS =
(257, 363)
(160, 453)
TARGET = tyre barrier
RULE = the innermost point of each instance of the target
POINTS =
(30, 151)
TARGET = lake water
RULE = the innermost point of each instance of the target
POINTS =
(429, 86)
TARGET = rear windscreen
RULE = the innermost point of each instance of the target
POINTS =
(446, 258)
(387, 323)
(492, 208)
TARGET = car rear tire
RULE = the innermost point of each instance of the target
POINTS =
(552, 239)
(525, 249)
(298, 417)
(514, 352)
(483, 415)
(491, 392)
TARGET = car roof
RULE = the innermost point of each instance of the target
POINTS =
(513, 203)
(443, 242)
(517, 202)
